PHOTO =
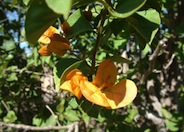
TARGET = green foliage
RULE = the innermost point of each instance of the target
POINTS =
(29, 82)
(124, 8)
(146, 24)
(10, 117)
(78, 23)
(173, 120)
(56, 6)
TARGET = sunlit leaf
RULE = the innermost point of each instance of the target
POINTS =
(10, 117)
(124, 8)
(71, 115)
(146, 24)
(8, 45)
(78, 3)
(51, 121)
(12, 77)
(26, 2)
(37, 121)
(172, 126)
(73, 103)
(60, 6)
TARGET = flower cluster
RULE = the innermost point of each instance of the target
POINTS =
(52, 42)
(102, 90)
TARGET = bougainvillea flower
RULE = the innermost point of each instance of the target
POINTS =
(44, 51)
(102, 91)
(46, 36)
(103, 78)
(53, 42)
(72, 82)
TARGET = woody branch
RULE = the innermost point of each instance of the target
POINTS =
(70, 128)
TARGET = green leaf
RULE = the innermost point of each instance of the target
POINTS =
(172, 126)
(62, 7)
(11, 68)
(85, 117)
(78, 3)
(64, 63)
(10, 117)
(131, 115)
(125, 8)
(146, 24)
(38, 19)
(9, 57)
(73, 103)
(120, 59)
(26, 2)
(117, 29)
(60, 107)
(101, 118)
(146, 49)
(51, 121)
(38, 121)
(12, 77)
(71, 115)
(8, 45)
(166, 114)
(78, 23)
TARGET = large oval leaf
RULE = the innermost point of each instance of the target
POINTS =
(78, 23)
(146, 24)
(60, 6)
(38, 18)
(125, 8)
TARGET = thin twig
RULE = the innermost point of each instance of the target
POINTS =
(31, 72)
(3, 20)
(99, 34)
(4, 104)
(53, 115)
(152, 60)
(34, 128)
(170, 62)
(159, 122)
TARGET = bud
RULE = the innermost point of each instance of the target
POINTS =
(66, 28)
(88, 15)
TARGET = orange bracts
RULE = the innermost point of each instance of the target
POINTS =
(102, 90)
(51, 41)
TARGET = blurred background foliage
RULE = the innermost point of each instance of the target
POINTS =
(29, 82)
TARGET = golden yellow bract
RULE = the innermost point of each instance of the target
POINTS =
(102, 91)
(47, 35)
(106, 74)
(53, 42)
(44, 51)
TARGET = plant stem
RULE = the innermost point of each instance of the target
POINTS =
(99, 34)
